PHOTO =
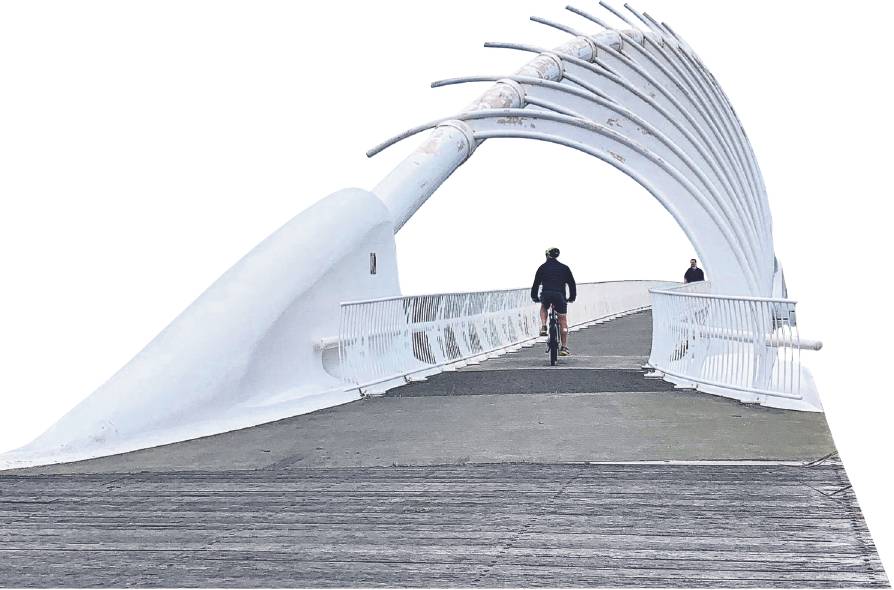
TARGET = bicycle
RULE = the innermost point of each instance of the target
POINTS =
(552, 342)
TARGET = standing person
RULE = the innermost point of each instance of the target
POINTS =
(554, 275)
(693, 274)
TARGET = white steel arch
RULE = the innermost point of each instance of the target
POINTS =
(682, 191)
(641, 91)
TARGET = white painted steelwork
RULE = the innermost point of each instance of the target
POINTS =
(639, 100)
(386, 342)
(747, 348)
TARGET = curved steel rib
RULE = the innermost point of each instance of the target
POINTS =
(641, 90)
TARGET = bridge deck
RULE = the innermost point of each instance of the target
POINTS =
(467, 479)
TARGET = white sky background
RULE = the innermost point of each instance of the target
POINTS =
(145, 147)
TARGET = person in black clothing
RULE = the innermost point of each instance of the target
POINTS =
(693, 274)
(554, 275)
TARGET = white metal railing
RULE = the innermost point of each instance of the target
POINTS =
(743, 347)
(401, 338)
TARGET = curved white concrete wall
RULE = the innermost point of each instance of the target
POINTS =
(243, 353)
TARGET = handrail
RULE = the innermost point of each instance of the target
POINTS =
(747, 348)
(395, 297)
(678, 293)
(389, 341)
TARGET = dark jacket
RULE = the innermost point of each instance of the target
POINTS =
(554, 275)
(694, 275)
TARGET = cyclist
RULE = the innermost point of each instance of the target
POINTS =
(554, 275)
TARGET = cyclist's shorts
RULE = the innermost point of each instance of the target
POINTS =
(557, 299)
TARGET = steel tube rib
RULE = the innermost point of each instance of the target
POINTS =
(727, 162)
(720, 125)
(703, 113)
(655, 140)
(702, 146)
(690, 87)
(647, 183)
(722, 221)
(664, 105)
(698, 65)
(414, 180)
(752, 236)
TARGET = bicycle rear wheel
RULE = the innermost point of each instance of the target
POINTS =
(553, 339)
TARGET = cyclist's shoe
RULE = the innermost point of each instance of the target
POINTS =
(543, 330)
(564, 351)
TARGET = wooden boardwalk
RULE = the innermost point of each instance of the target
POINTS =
(502, 525)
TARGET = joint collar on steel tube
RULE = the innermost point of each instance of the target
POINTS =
(518, 89)
(467, 132)
(560, 65)
(593, 48)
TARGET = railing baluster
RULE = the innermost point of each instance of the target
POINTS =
(738, 345)
(386, 339)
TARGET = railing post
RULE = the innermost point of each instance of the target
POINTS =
(388, 340)
(740, 347)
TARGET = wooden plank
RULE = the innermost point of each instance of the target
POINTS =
(476, 525)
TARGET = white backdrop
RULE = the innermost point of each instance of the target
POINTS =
(145, 147)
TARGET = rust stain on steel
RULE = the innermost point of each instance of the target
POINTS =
(542, 67)
(637, 36)
(431, 146)
(519, 121)
(497, 97)
(434, 143)
(617, 156)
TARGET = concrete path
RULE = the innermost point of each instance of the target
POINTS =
(512, 409)
(488, 476)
